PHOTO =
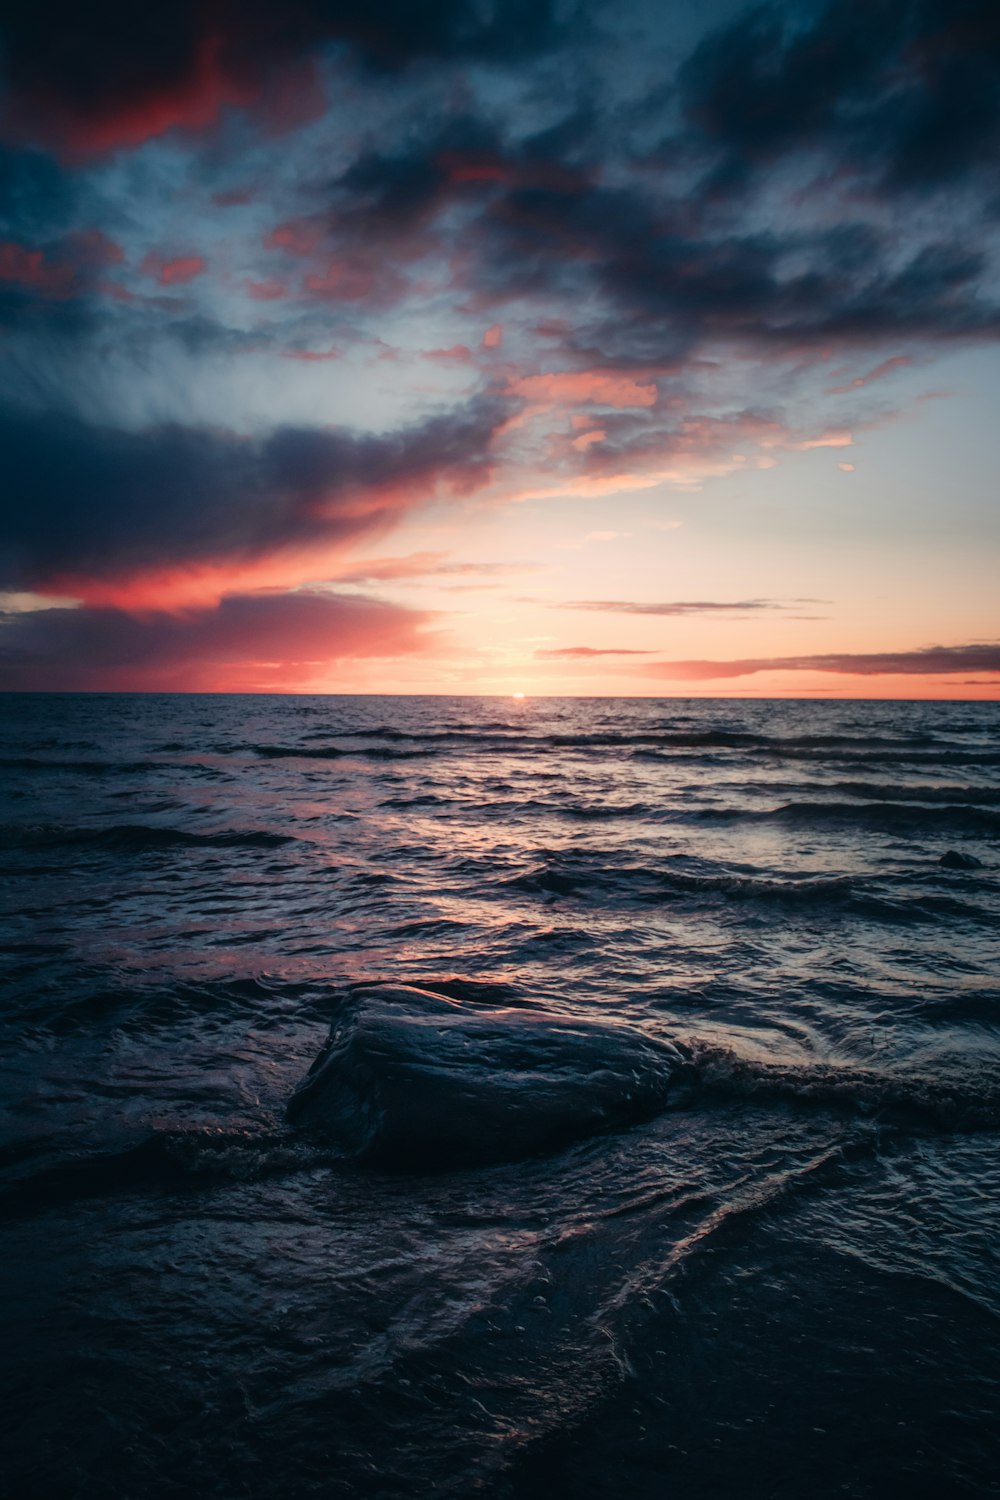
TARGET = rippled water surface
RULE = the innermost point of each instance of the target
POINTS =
(781, 1280)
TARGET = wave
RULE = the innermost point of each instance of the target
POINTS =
(972, 796)
(321, 752)
(649, 885)
(557, 878)
(887, 757)
(138, 837)
(888, 816)
(384, 742)
(969, 1100)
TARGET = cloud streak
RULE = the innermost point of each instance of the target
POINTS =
(679, 607)
(927, 661)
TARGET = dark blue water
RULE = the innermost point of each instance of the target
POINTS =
(780, 1279)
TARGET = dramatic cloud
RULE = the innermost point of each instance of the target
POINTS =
(929, 661)
(117, 74)
(96, 509)
(264, 641)
(905, 93)
(275, 280)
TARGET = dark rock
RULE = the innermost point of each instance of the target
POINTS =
(414, 1079)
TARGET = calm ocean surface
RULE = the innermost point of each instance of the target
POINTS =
(783, 1280)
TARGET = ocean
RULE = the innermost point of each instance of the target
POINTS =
(654, 1150)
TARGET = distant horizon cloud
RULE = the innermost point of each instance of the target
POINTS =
(924, 661)
(682, 606)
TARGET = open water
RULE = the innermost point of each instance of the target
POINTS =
(777, 1276)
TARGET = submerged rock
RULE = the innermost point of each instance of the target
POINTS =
(955, 859)
(414, 1079)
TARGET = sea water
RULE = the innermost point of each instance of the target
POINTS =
(782, 1281)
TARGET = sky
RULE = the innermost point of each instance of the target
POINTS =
(501, 346)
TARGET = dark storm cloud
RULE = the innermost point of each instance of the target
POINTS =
(427, 191)
(278, 637)
(906, 89)
(929, 661)
(666, 282)
(655, 261)
(652, 270)
(92, 503)
(114, 72)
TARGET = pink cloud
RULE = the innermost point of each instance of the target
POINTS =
(594, 387)
(173, 272)
(493, 337)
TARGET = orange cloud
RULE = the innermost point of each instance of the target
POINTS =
(595, 387)
(837, 439)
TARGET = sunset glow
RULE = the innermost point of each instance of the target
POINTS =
(473, 354)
